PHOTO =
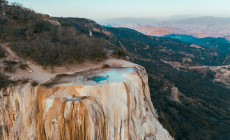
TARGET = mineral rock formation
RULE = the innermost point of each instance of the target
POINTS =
(82, 106)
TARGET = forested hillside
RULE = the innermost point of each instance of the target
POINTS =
(220, 44)
(46, 41)
(165, 48)
(190, 104)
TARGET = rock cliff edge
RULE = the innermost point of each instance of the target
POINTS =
(81, 106)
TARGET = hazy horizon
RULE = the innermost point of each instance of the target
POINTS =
(104, 9)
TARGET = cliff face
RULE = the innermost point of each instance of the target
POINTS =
(82, 106)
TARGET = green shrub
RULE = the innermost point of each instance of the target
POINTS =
(9, 69)
(2, 52)
(106, 66)
(23, 66)
(4, 81)
(119, 52)
(6, 62)
(34, 83)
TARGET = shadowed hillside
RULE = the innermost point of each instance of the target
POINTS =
(221, 44)
(189, 103)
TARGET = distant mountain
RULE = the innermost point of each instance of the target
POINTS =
(128, 22)
(140, 21)
(157, 31)
(221, 44)
(162, 31)
(198, 26)
(212, 26)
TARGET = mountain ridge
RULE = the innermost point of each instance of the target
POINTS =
(207, 26)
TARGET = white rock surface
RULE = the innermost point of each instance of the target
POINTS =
(76, 107)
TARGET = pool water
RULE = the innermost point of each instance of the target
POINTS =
(94, 77)
(114, 75)
(98, 78)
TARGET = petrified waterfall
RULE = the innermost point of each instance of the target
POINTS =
(82, 106)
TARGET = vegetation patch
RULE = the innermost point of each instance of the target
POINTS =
(2, 52)
(35, 36)
(119, 53)
(23, 66)
(10, 66)
(106, 66)
(7, 62)
(4, 81)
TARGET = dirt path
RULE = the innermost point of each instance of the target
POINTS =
(37, 72)
(43, 75)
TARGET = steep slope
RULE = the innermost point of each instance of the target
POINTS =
(79, 106)
(190, 104)
(221, 44)
(144, 46)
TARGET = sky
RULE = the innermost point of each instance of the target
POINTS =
(103, 9)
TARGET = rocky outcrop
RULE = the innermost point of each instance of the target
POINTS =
(175, 94)
(53, 22)
(82, 106)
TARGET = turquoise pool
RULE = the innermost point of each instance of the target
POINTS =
(98, 78)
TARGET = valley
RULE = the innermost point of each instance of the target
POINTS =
(164, 31)
(193, 95)
(72, 78)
